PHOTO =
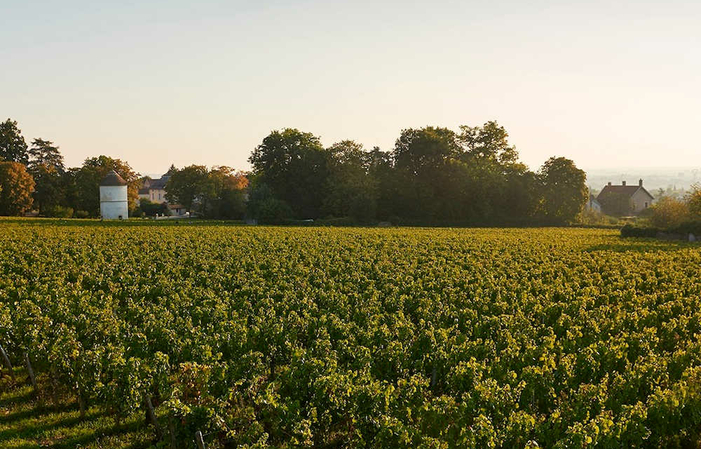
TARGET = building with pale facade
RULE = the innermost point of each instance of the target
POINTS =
(114, 202)
(154, 190)
(638, 197)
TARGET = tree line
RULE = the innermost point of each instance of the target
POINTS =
(34, 177)
(432, 176)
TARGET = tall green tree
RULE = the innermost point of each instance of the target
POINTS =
(351, 191)
(693, 199)
(44, 152)
(489, 141)
(47, 169)
(189, 186)
(295, 167)
(421, 158)
(264, 206)
(13, 148)
(83, 184)
(226, 193)
(382, 174)
(564, 190)
(498, 188)
(16, 186)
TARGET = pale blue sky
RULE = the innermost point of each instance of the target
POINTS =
(608, 84)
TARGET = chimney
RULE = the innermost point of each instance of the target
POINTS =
(640, 182)
(609, 182)
(624, 183)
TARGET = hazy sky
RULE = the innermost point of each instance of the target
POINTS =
(608, 84)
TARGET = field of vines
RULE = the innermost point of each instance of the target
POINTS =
(356, 337)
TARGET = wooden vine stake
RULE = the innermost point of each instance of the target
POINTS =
(54, 388)
(81, 403)
(152, 416)
(8, 364)
(30, 371)
(199, 440)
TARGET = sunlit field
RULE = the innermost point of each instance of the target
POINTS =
(347, 337)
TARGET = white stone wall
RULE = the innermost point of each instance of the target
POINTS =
(113, 202)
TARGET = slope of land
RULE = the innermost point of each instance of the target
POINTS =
(321, 337)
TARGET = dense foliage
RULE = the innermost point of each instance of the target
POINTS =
(309, 337)
(16, 186)
(433, 176)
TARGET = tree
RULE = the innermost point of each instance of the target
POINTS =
(83, 184)
(564, 190)
(498, 188)
(189, 185)
(265, 207)
(47, 169)
(16, 186)
(44, 152)
(693, 200)
(351, 191)
(150, 209)
(381, 172)
(13, 148)
(421, 158)
(294, 166)
(669, 212)
(226, 195)
(490, 141)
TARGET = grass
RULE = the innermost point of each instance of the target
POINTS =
(28, 420)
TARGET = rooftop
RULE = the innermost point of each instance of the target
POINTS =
(113, 179)
(624, 189)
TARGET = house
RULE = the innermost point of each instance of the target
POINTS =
(637, 196)
(593, 204)
(154, 190)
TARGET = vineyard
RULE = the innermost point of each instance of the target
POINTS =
(386, 338)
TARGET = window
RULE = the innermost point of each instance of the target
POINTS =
(645, 204)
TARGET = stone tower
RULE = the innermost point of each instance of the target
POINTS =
(113, 197)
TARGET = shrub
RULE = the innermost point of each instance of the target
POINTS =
(630, 230)
(669, 213)
(81, 214)
(60, 212)
(693, 200)
(688, 227)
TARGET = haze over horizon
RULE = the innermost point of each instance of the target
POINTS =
(611, 86)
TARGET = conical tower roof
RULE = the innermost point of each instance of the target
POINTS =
(113, 179)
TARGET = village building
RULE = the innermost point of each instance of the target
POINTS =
(639, 198)
(114, 203)
(593, 204)
(154, 190)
